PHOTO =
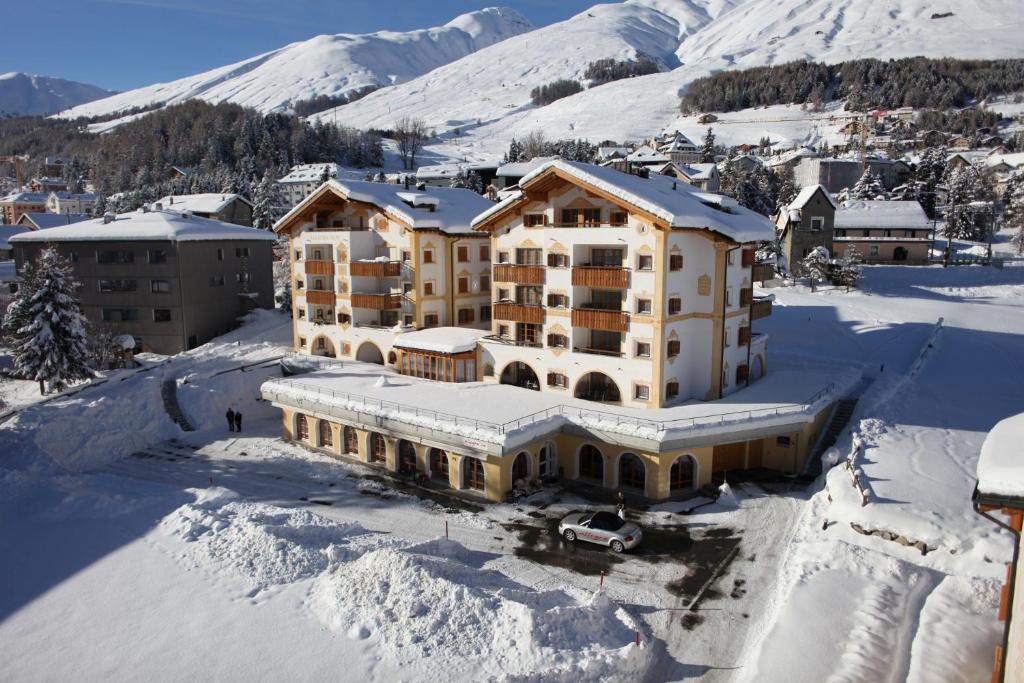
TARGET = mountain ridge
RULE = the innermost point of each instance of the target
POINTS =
(23, 94)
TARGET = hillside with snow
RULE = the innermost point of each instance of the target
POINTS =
(331, 65)
(29, 95)
(485, 97)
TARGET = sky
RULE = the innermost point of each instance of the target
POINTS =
(124, 44)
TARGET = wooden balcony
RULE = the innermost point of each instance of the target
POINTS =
(761, 308)
(519, 313)
(597, 319)
(377, 302)
(318, 267)
(763, 272)
(520, 275)
(606, 277)
(375, 268)
(746, 296)
(321, 297)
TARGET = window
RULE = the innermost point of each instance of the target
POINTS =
(118, 285)
(302, 313)
(159, 286)
(533, 220)
(609, 258)
(485, 283)
(558, 341)
(645, 262)
(462, 254)
(155, 256)
(299, 284)
(406, 256)
(528, 257)
(161, 315)
(675, 261)
(344, 318)
(241, 252)
(428, 288)
(120, 315)
(503, 331)
(465, 316)
(817, 223)
(378, 449)
(502, 257)
(298, 254)
(485, 313)
(643, 306)
(591, 216)
(675, 305)
(558, 260)
(302, 341)
(672, 347)
(242, 277)
(672, 389)
(619, 218)
(530, 295)
(643, 350)
(428, 255)
(558, 301)
(218, 280)
(728, 296)
(430, 320)
(503, 294)
(406, 288)
(463, 285)
(73, 255)
(729, 257)
(220, 254)
(485, 253)
(605, 299)
(728, 333)
(557, 379)
(115, 256)
(874, 250)
(782, 441)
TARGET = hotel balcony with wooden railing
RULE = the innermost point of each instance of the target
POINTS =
(386, 301)
(511, 311)
(377, 269)
(518, 274)
(604, 277)
(594, 318)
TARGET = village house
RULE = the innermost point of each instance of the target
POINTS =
(71, 202)
(805, 224)
(832, 174)
(6, 232)
(509, 174)
(53, 167)
(681, 149)
(15, 205)
(42, 221)
(170, 279)
(622, 328)
(218, 206)
(46, 185)
(703, 176)
(883, 231)
(303, 179)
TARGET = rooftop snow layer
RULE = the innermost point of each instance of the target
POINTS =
(26, 197)
(1001, 464)
(164, 225)
(209, 202)
(805, 194)
(678, 203)
(441, 339)
(881, 214)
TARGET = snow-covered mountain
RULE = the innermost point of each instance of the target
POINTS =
(25, 94)
(327, 65)
(486, 95)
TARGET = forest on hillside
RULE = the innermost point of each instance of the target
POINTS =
(917, 82)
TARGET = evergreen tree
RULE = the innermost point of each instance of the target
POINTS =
(1013, 216)
(16, 316)
(325, 173)
(816, 265)
(282, 277)
(868, 187)
(968, 213)
(707, 150)
(51, 345)
(850, 268)
(787, 190)
(100, 207)
(730, 174)
(459, 180)
(267, 201)
(929, 173)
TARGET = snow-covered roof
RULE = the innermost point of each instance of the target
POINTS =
(161, 226)
(679, 204)
(25, 198)
(805, 194)
(41, 221)
(680, 143)
(8, 231)
(607, 152)
(446, 340)
(79, 196)
(453, 208)
(647, 155)
(307, 173)
(517, 169)
(438, 172)
(1013, 160)
(698, 171)
(1001, 463)
(881, 214)
(209, 202)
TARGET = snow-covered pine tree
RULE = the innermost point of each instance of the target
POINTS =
(816, 265)
(867, 187)
(325, 173)
(16, 315)
(266, 202)
(707, 150)
(730, 174)
(967, 218)
(786, 190)
(475, 182)
(100, 207)
(282, 277)
(459, 180)
(1013, 216)
(850, 268)
(51, 346)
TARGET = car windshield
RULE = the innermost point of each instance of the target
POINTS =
(606, 521)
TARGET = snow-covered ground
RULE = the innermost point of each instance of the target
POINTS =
(182, 554)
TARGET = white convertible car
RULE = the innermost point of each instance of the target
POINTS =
(603, 528)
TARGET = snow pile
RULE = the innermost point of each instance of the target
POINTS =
(1000, 466)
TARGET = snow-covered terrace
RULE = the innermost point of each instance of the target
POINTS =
(1001, 463)
(500, 418)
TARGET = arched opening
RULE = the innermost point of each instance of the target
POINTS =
(472, 474)
(900, 254)
(439, 465)
(369, 353)
(351, 441)
(521, 375)
(302, 427)
(597, 386)
(757, 368)
(406, 457)
(378, 449)
(547, 464)
(326, 434)
(322, 346)
(591, 464)
(682, 475)
(632, 474)
(392, 357)
(521, 466)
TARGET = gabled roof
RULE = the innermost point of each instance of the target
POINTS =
(306, 173)
(7, 232)
(698, 171)
(805, 195)
(152, 226)
(517, 169)
(208, 202)
(676, 204)
(26, 198)
(453, 208)
(647, 155)
(42, 221)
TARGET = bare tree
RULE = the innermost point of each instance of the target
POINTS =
(410, 134)
(534, 145)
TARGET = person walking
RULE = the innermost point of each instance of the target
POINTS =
(230, 415)
(238, 421)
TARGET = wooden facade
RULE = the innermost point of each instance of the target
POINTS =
(600, 276)
(597, 319)
(519, 313)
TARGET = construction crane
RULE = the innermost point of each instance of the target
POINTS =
(16, 160)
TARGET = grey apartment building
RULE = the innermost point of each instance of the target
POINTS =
(170, 279)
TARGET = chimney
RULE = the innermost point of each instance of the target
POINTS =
(109, 217)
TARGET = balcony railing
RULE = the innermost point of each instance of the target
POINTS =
(597, 319)
(377, 302)
(519, 313)
(321, 297)
(761, 308)
(763, 272)
(375, 268)
(599, 352)
(313, 267)
(520, 275)
(611, 277)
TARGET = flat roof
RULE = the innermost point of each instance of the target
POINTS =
(444, 340)
(159, 226)
(881, 214)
